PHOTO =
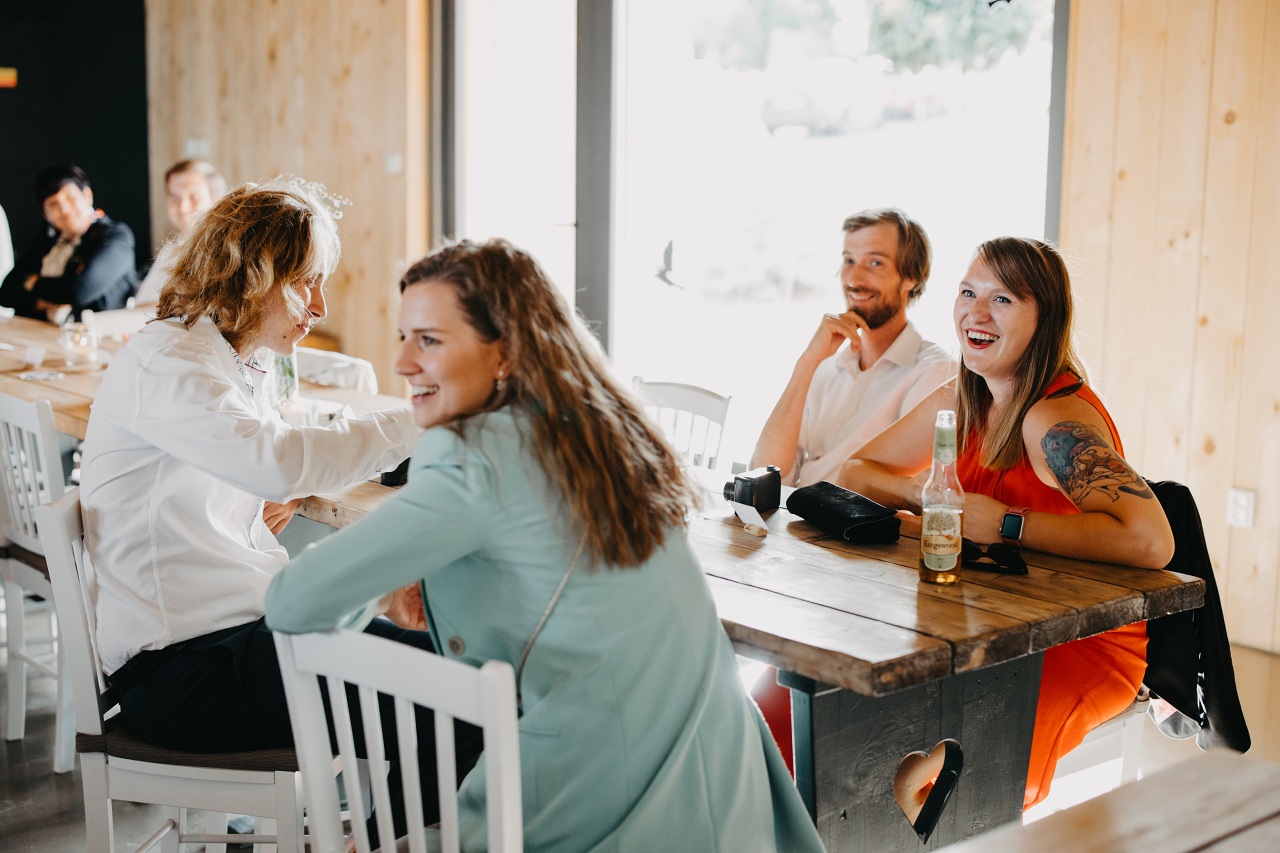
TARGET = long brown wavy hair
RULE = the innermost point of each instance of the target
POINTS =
(620, 479)
(1032, 270)
(239, 257)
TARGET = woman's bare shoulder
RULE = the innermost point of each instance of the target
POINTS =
(1065, 412)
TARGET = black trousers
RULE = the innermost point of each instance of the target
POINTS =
(223, 693)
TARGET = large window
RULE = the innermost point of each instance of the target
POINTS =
(753, 127)
(514, 164)
(744, 131)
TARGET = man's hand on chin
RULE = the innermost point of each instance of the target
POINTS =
(834, 330)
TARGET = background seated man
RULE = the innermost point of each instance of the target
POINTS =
(838, 399)
(82, 260)
(190, 187)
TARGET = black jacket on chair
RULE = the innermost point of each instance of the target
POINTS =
(1188, 654)
(100, 274)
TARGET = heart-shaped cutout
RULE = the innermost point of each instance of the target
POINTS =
(924, 783)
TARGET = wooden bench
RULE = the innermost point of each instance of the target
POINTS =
(1218, 801)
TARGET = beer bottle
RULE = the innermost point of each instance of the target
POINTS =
(942, 508)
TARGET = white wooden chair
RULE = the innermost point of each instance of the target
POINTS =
(30, 474)
(116, 764)
(692, 417)
(484, 697)
(1118, 738)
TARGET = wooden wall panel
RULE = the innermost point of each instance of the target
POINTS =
(160, 114)
(1181, 276)
(1088, 154)
(1170, 302)
(1136, 172)
(1224, 266)
(332, 90)
(1255, 553)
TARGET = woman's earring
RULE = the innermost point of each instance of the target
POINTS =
(500, 384)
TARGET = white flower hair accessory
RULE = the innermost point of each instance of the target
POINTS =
(319, 191)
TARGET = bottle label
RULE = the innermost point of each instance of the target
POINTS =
(940, 538)
(944, 445)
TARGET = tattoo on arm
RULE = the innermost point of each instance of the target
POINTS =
(1084, 462)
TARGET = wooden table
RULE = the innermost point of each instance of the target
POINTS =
(879, 664)
(71, 395)
(1218, 801)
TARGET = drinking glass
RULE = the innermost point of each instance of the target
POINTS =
(79, 344)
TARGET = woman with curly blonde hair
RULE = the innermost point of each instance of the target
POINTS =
(188, 474)
(261, 246)
(544, 520)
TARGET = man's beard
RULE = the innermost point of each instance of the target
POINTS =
(879, 313)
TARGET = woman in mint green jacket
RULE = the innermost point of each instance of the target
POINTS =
(537, 471)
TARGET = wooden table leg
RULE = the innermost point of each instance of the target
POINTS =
(847, 749)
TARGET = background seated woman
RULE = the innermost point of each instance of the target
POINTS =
(538, 469)
(1033, 439)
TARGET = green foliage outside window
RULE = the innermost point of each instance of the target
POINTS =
(916, 33)
(910, 33)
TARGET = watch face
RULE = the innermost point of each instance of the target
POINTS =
(1011, 526)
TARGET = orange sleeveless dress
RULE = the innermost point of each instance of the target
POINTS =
(1086, 682)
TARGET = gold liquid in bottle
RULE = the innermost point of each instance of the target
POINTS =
(941, 535)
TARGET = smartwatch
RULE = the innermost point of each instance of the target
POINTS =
(1011, 525)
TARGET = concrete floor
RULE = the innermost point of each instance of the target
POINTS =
(44, 813)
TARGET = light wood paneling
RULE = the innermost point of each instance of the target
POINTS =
(1255, 553)
(1224, 267)
(1136, 172)
(1175, 278)
(333, 90)
(1171, 221)
(1089, 151)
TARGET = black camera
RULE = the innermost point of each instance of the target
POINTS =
(760, 488)
(398, 476)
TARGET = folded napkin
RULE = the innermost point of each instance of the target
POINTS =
(336, 370)
(843, 513)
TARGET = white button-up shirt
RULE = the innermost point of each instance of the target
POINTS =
(847, 406)
(178, 458)
(153, 282)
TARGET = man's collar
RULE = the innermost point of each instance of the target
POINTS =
(904, 348)
(902, 351)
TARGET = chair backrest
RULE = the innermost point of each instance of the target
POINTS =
(1189, 653)
(30, 467)
(692, 417)
(484, 697)
(62, 533)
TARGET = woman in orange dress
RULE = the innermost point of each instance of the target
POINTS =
(1040, 460)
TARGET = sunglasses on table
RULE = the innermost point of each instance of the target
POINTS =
(997, 557)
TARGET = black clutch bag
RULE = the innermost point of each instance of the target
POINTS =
(846, 514)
